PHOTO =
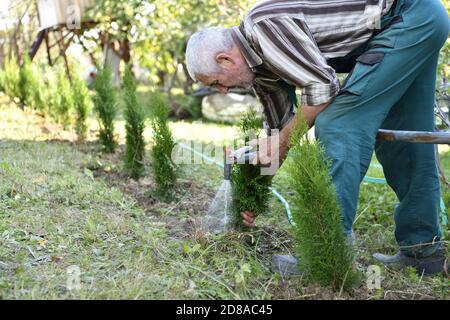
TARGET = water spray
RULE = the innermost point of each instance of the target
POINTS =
(218, 215)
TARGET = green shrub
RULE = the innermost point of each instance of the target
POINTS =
(30, 85)
(134, 126)
(37, 90)
(65, 106)
(82, 104)
(26, 81)
(164, 169)
(105, 104)
(51, 94)
(2, 80)
(250, 189)
(445, 190)
(322, 248)
(10, 78)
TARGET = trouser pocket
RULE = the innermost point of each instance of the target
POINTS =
(365, 68)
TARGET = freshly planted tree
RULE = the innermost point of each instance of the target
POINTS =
(10, 78)
(51, 94)
(37, 92)
(250, 189)
(30, 85)
(105, 104)
(134, 126)
(2, 80)
(82, 103)
(322, 248)
(26, 82)
(65, 105)
(163, 167)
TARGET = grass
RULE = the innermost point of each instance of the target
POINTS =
(63, 204)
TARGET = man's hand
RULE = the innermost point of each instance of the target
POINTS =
(271, 150)
(249, 218)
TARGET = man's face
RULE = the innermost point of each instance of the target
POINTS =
(224, 81)
(234, 72)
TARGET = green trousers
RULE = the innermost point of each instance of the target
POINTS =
(392, 86)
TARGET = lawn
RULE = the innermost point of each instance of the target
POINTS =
(65, 206)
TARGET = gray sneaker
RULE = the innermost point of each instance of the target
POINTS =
(434, 263)
(287, 264)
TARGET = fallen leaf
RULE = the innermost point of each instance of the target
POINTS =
(56, 258)
(43, 242)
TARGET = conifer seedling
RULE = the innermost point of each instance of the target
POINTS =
(105, 104)
(164, 169)
(321, 246)
(134, 126)
(250, 189)
(82, 103)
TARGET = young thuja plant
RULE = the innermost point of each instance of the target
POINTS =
(249, 189)
(30, 85)
(322, 250)
(105, 104)
(37, 90)
(134, 126)
(445, 190)
(2, 80)
(51, 94)
(65, 106)
(27, 82)
(11, 78)
(82, 104)
(164, 169)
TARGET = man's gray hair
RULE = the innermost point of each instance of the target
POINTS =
(203, 47)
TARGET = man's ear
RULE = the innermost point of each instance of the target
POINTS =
(224, 60)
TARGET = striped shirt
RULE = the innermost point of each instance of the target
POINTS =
(287, 44)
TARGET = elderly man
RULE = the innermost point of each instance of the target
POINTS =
(391, 49)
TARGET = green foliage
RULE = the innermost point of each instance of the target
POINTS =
(64, 105)
(10, 78)
(51, 94)
(36, 92)
(163, 167)
(60, 97)
(250, 189)
(321, 244)
(26, 79)
(30, 86)
(445, 190)
(2, 81)
(105, 104)
(159, 30)
(134, 126)
(82, 104)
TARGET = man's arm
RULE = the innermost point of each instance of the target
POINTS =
(276, 147)
(309, 113)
